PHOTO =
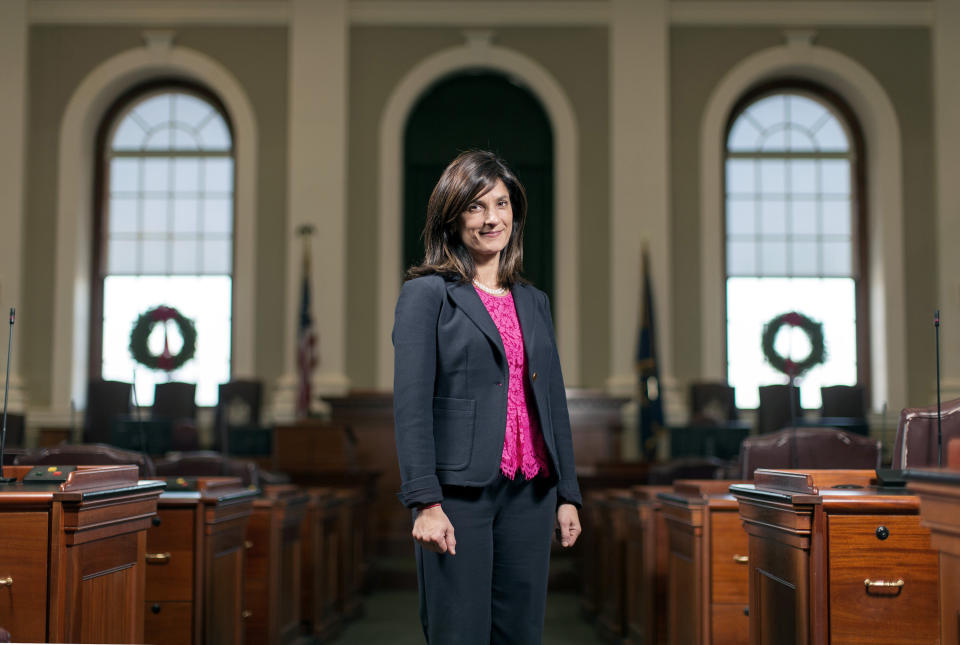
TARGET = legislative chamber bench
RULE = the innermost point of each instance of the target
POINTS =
(706, 564)
(837, 557)
(72, 548)
(195, 561)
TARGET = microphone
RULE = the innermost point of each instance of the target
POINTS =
(139, 414)
(936, 327)
(6, 391)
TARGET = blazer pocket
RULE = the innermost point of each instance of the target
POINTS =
(453, 430)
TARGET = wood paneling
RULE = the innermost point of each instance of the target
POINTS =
(939, 492)
(96, 619)
(321, 577)
(272, 582)
(23, 563)
(646, 553)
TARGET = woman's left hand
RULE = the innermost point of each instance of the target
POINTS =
(568, 524)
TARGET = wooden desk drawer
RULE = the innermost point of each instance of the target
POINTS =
(170, 557)
(729, 624)
(905, 613)
(168, 623)
(728, 548)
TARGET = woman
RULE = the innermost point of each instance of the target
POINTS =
(483, 435)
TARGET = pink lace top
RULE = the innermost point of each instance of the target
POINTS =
(523, 446)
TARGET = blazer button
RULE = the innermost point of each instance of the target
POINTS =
(534, 376)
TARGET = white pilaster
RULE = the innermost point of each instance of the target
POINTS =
(639, 199)
(13, 126)
(946, 57)
(317, 126)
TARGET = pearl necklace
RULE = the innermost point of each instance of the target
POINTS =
(492, 292)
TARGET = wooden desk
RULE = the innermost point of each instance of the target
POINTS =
(272, 586)
(835, 565)
(321, 539)
(707, 588)
(615, 507)
(595, 483)
(72, 555)
(646, 569)
(195, 559)
(939, 492)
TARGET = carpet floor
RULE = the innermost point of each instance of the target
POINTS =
(391, 617)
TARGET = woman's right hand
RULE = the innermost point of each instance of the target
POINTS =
(433, 530)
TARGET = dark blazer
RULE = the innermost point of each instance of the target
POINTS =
(450, 388)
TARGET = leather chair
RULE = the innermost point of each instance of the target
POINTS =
(953, 454)
(815, 448)
(712, 403)
(176, 403)
(236, 399)
(207, 463)
(106, 400)
(88, 454)
(775, 412)
(843, 401)
(15, 427)
(175, 400)
(916, 444)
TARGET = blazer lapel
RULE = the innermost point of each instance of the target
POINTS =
(527, 314)
(468, 300)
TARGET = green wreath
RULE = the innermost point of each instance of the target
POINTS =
(788, 366)
(166, 360)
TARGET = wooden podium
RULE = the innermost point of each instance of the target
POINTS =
(834, 559)
(707, 588)
(72, 555)
(939, 492)
(195, 562)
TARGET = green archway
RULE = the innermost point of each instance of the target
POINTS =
(489, 111)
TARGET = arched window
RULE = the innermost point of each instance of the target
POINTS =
(794, 221)
(164, 234)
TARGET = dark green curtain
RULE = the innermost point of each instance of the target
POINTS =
(488, 111)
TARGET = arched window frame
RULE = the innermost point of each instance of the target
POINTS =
(101, 175)
(858, 195)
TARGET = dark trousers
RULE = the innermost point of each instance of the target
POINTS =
(494, 590)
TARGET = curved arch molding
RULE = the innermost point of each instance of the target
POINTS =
(884, 193)
(74, 216)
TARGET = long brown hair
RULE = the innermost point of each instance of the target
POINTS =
(471, 175)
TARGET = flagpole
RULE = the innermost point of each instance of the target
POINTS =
(306, 351)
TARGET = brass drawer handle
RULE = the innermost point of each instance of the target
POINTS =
(6, 582)
(247, 544)
(158, 558)
(741, 559)
(246, 613)
(869, 584)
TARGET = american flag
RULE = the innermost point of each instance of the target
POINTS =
(307, 358)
